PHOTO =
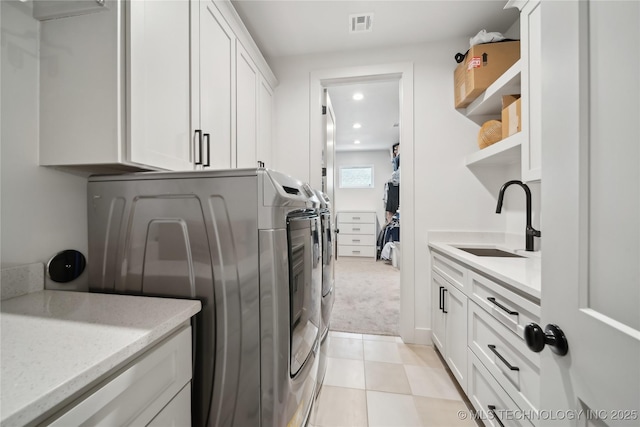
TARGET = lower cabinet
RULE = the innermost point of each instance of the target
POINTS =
(478, 327)
(450, 334)
(154, 389)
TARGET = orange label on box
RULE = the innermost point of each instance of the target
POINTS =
(474, 62)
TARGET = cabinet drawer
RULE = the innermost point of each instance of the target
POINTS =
(489, 399)
(512, 364)
(356, 240)
(137, 394)
(177, 412)
(511, 309)
(363, 251)
(450, 270)
(357, 217)
(357, 229)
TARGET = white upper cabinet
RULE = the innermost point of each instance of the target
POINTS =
(247, 79)
(114, 92)
(265, 122)
(152, 85)
(213, 55)
(158, 90)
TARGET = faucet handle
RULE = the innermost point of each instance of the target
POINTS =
(533, 232)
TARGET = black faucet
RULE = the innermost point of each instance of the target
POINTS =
(530, 232)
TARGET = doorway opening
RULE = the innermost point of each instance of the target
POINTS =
(403, 74)
(362, 157)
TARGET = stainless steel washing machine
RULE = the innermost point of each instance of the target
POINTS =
(246, 243)
(328, 296)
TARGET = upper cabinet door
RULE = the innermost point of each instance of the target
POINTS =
(265, 123)
(246, 109)
(591, 205)
(158, 87)
(214, 77)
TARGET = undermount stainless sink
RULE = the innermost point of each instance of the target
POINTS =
(491, 252)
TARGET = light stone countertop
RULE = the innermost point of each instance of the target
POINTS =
(523, 274)
(56, 343)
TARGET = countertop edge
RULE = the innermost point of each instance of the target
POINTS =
(48, 402)
(448, 249)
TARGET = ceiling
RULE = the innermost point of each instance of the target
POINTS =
(378, 112)
(283, 28)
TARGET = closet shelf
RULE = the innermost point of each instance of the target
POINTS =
(502, 152)
(488, 105)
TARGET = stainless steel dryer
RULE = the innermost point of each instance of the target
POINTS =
(327, 282)
(246, 243)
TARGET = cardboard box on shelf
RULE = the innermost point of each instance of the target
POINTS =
(483, 64)
(511, 115)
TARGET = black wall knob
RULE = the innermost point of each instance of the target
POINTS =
(552, 336)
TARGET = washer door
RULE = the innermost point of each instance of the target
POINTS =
(305, 278)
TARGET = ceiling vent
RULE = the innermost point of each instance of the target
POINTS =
(360, 23)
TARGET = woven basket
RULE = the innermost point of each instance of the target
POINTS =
(490, 133)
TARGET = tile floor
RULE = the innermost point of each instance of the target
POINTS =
(375, 380)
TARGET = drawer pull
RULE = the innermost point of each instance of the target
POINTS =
(492, 410)
(355, 240)
(509, 365)
(356, 228)
(355, 217)
(493, 300)
(443, 291)
(355, 252)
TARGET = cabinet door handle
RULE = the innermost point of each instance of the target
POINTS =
(493, 300)
(492, 410)
(207, 138)
(198, 135)
(443, 309)
(441, 302)
(509, 365)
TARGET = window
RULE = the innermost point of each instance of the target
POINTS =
(356, 177)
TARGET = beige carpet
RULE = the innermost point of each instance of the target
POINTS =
(367, 297)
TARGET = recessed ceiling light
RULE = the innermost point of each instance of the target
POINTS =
(358, 96)
(357, 141)
(357, 125)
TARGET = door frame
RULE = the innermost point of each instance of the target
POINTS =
(320, 79)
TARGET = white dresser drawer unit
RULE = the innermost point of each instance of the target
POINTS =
(357, 234)
(497, 409)
(511, 309)
(506, 357)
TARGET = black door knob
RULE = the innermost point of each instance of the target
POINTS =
(553, 336)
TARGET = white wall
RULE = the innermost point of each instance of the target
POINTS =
(367, 199)
(448, 195)
(43, 211)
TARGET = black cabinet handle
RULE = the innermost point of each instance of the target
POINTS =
(493, 300)
(441, 302)
(509, 365)
(198, 161)
(492, 410)
(443, 309)
(207, 138)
